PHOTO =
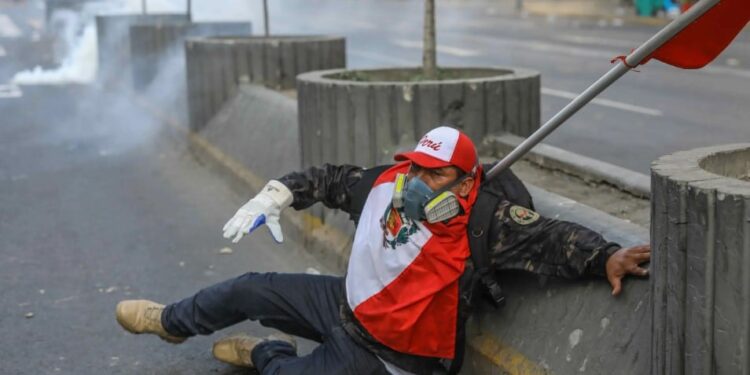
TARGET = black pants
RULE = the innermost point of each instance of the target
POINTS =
(300, 305)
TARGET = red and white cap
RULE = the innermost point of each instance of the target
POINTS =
(441, 147)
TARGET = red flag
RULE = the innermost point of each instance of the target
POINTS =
(703, 40)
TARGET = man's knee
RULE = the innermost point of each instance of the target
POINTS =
(251, 285)
(252, 293)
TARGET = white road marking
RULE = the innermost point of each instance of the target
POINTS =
(580, 39)
(456, 51)
(607, 55)
(10, 91)
(360, 24)
(8, 28)
(713, 69)
(546, 48)
(541, 46)
(605, 102)
(382, 58)
(448, 50)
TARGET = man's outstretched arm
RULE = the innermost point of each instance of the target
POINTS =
(343, 187)
(524, 240)
(329, 184)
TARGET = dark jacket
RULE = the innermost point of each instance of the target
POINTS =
(525, 241)
(546, 246)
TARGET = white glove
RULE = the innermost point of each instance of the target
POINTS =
(264, 208)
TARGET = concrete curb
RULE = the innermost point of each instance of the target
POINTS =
(614, 229)
(588, 169)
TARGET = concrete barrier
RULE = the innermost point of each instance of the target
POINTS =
(566, 327)
(152, 45)
(364, 116)
(113, 45)
(548, 326)
(701, 283)
(216, 65)
(258, 128)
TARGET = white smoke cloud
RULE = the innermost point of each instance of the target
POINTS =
(77, 34)
(76, 40)
(79, 67)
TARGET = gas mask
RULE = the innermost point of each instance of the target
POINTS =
(419, 202)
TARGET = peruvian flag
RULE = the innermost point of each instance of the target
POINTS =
(703, 40)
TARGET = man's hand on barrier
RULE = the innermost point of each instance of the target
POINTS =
(627, 261)
(264, 208)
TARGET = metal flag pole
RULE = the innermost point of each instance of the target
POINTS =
(189, 7)
(622, 67)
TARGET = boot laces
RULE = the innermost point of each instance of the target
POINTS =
(153, 315)
(245, 348)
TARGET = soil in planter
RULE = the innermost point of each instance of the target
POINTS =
(416, 75)
(254, 38)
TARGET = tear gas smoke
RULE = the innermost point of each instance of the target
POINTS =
(76, 33)
(78, 67)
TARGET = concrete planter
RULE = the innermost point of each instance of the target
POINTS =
(152, 45)
(701, 261)
(113, 34)
(216, 65)
(344, 119)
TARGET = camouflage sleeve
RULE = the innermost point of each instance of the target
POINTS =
(329, 184)
(524, 240)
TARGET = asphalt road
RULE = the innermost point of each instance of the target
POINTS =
(99, 203)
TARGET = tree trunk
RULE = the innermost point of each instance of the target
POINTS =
(429, 58)
(265, 17)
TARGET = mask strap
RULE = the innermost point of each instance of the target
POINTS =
(449, 186)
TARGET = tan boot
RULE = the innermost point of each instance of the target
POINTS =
(236, 349)
(144, 316)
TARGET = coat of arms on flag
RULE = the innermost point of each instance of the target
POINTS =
(396, 228)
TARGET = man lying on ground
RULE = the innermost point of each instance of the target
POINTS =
(407, 291)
